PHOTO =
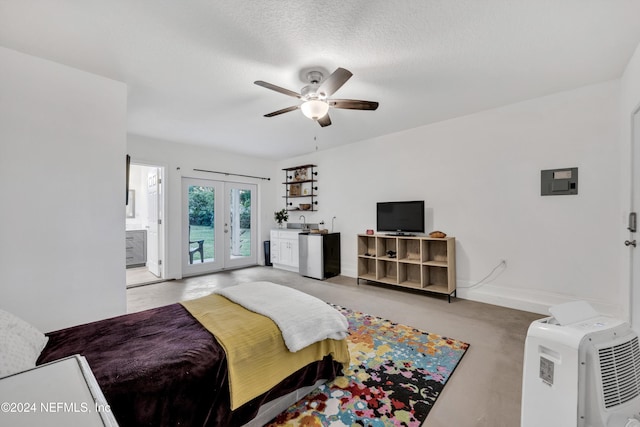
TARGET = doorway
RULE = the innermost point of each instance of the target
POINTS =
(144, 225)
(219, 225)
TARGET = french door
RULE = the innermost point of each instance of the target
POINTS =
(219, 225)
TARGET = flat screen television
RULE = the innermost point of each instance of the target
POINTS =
(400, 217)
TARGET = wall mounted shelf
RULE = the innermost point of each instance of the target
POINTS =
(301, 188)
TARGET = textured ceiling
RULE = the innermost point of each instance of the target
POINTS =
(190, 65)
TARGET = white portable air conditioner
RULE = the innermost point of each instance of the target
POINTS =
(580, 369)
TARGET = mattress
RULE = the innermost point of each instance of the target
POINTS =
(161, 367)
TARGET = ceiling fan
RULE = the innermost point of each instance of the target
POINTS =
(315, 96)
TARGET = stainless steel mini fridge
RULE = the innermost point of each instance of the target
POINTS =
(319, 255)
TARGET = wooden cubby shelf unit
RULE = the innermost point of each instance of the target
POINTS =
(416, 262)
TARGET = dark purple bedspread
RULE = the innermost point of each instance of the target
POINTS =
(160, 367)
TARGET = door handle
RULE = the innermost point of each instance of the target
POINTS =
(632, 222)
(630, 243)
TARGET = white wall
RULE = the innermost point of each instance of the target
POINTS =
(629, 101)
(480, 178)
(62, 181)
(62, 238)
(179, 161)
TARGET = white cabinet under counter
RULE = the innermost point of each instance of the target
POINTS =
(284, 249)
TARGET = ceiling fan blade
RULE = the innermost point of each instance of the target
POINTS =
(335, 81)
(353, 104)
(324, 120)
(277, 89)
(284, 110)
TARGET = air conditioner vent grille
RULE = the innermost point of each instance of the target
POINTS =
(620, 372)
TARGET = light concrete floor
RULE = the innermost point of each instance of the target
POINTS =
(485, 389)
(137, 276)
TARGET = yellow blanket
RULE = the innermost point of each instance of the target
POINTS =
(257, 357)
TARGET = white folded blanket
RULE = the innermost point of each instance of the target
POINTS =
(302, 318)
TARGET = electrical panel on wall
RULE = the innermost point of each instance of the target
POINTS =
(557, 182)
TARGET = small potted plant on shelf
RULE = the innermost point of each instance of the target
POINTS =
(281, 216)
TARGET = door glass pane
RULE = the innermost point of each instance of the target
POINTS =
(201, 224)
(239, 224)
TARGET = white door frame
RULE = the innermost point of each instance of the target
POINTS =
(154, 220)
(634, 252)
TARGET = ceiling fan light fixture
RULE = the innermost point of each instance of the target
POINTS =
(315, 96)
(314, 109)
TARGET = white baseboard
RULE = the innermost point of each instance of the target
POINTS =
(530, 300)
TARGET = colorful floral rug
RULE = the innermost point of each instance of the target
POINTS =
(397, 372)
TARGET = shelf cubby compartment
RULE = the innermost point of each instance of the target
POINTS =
(435, 251)
(367, 268)
(367, 245)
(436, 279)
(409, 250)
(387, 271)
(385, 244)
(409, 275)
